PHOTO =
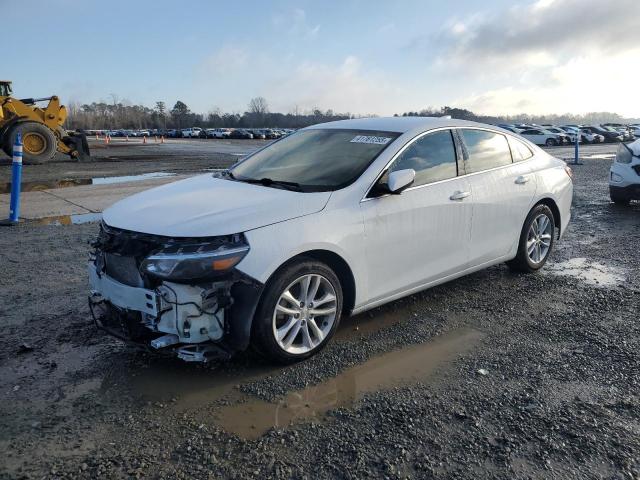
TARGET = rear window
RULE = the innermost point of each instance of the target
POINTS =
(519, 150)
(484, 150)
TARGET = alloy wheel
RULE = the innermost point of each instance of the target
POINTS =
(304, 314)
(539, 238)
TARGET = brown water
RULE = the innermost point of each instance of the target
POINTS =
(417, 363)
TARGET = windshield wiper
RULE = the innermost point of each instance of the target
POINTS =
(269, 182)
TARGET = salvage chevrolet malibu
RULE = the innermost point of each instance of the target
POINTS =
(332, 220)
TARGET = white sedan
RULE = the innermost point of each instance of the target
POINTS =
(332, 220)
(541, 137)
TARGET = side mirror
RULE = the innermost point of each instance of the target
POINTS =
(400, 180)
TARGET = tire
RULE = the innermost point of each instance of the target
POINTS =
(551, 142)
(526, 261)
(308, 332)
(39, 142)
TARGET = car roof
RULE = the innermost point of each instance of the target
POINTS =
(401, 124)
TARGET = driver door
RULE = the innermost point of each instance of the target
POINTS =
(422, 234)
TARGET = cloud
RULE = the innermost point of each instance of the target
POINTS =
(551, 29)
(545, 56)
(577, 86)
(227, 59)
(345, 87)
(295, 23)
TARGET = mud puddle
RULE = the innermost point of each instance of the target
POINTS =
(130, 178)
(370, 322)
(253, 418)
(600, 156)
(592, 273)
(77, 219)
(39, 185)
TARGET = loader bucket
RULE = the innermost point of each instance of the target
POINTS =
(79, 146)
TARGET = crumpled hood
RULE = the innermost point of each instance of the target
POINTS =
(204, 206)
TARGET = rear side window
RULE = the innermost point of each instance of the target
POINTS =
(432, 156)
(519, 150)
(484, 150)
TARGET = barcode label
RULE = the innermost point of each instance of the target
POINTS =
(370, 139)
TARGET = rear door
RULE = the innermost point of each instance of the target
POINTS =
(421, 234)
(501, 190)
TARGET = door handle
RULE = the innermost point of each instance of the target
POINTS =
(459, 195)
(521, 180)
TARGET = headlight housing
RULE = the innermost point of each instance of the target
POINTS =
(624, 154)
(194, 261)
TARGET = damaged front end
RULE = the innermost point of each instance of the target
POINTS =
(175, 295)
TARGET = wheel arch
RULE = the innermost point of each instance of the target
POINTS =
(553, 206)
(338, 264)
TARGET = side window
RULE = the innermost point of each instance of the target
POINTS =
(485, 150)
(519, 150)
(432, 156)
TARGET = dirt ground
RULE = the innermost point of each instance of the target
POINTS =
(121, 158)
(495, 375)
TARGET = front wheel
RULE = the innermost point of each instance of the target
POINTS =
(298, 313)
(551, 142)
(39, 142)
(536, 240)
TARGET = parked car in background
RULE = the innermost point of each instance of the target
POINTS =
(635, 129)
(335, 219)
(624, 175)
(218, 133)
(627, 135)
(540, 137)
(258, 134)
(173, 133)
(590, 137)
(564, 137)
(241, 133)
(193, 132)
(609, 135)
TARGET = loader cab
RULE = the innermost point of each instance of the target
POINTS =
(5, 88)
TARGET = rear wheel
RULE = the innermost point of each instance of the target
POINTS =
(298, 313)
(536, 240)
(39, 142)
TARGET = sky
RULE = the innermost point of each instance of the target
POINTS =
(363, 57)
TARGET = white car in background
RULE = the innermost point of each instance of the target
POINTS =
(624, 176)
(334, 219)
(218, 132)
(193, 132)
(590, 137)
(566, 137)
(541, 137)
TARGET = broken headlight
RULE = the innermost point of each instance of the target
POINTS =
(190, 262)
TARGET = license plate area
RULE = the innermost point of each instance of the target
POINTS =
(123, 296)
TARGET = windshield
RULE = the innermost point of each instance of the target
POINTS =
(315, 159)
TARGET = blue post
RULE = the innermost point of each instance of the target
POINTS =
(16, 178)
(576, 160)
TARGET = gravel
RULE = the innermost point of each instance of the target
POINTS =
(550, 391)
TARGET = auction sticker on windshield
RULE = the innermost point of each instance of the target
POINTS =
(370, 139)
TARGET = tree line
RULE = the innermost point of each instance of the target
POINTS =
(117, 114)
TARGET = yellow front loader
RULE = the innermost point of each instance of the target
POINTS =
(42, 132)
